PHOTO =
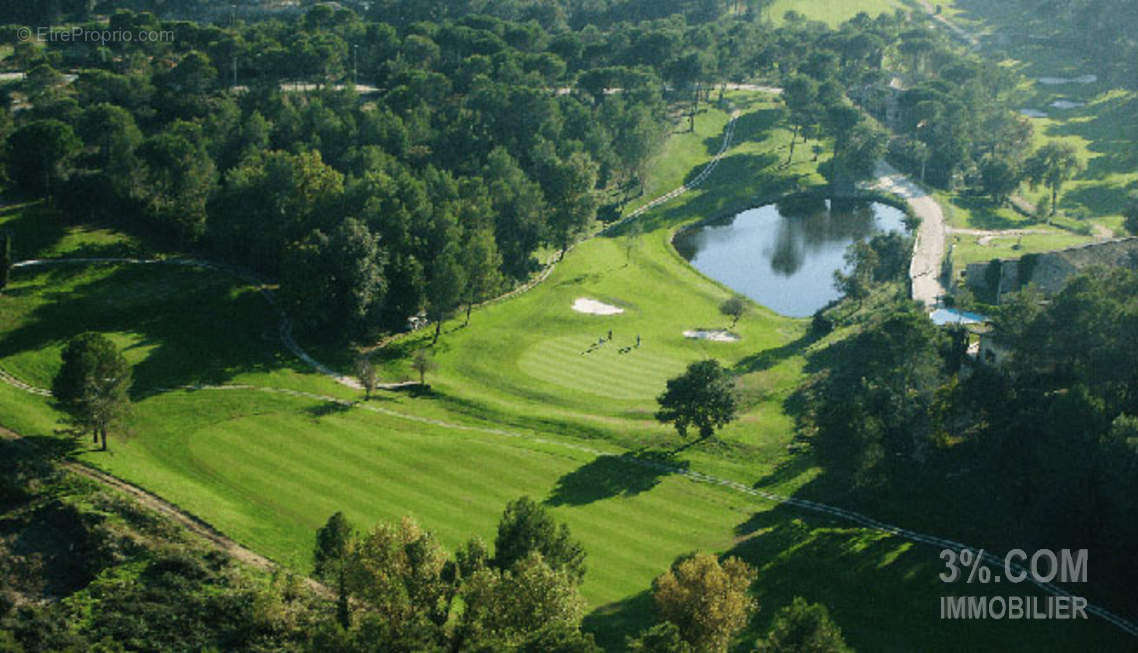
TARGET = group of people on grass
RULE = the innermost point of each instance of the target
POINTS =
(603, 340)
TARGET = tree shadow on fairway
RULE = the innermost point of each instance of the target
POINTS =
(610, 476)
(868, 580)
(329, 408)
(610, 624)
(752, 126)
(185, 326)
(33, 227)
(787, 470)
(768, 358)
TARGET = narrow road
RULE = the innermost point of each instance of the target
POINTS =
(928, 251)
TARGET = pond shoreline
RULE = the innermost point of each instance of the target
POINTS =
(784, 252)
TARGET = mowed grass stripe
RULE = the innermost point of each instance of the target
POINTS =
(570, 349)
(294, 471)
(633, 547)
(407, 466)
(628, 376)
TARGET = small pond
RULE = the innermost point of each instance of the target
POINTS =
(784, 255)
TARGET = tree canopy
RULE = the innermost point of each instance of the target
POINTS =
(702, 397)
(93, 383)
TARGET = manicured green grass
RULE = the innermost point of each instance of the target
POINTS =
(980, 213)
(40, 232)
(1104, 131)
(268, 469)
(525, 360)
(966, 248)
(832, 12)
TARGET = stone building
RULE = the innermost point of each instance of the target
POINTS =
(1049, 271)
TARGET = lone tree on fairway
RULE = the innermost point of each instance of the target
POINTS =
(734, 307)
(709, 602)
(526, 527)
(334, 541)
(92, 384)
(423, 363)
(5, 259)
(703, 396)
(365, 372)
(1051, 165)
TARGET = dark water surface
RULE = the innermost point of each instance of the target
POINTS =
(784, 256)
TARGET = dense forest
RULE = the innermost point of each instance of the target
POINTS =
(1046, 444)
(383, 159)
(472, 143)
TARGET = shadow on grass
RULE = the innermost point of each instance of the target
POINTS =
(33, 227)
(189, 326)
(610, 476)
(985, 214)
(752, 126)
(787, 470)
(857, 574)
(328, 408)
(861, 576)
(1102, 199)
(612, 623)
(768, 358)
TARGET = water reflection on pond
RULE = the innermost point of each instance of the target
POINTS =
(784, 255)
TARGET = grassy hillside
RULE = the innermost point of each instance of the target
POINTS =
(1098, 119)
(515, 409)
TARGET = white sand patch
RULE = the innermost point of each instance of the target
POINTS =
(593, 307)
(1033, 113)
(1067, 104)
(718, 335)
(1055, 81)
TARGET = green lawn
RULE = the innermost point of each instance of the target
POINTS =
(1104, 130)
(527, 362)
(967, 250)
(40, 232)
(832, 12)
(268, 468)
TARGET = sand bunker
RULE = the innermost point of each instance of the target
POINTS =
(718, 335)
(1067, 104)
(1055, 81)
(1033, 113)
(593, 307)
